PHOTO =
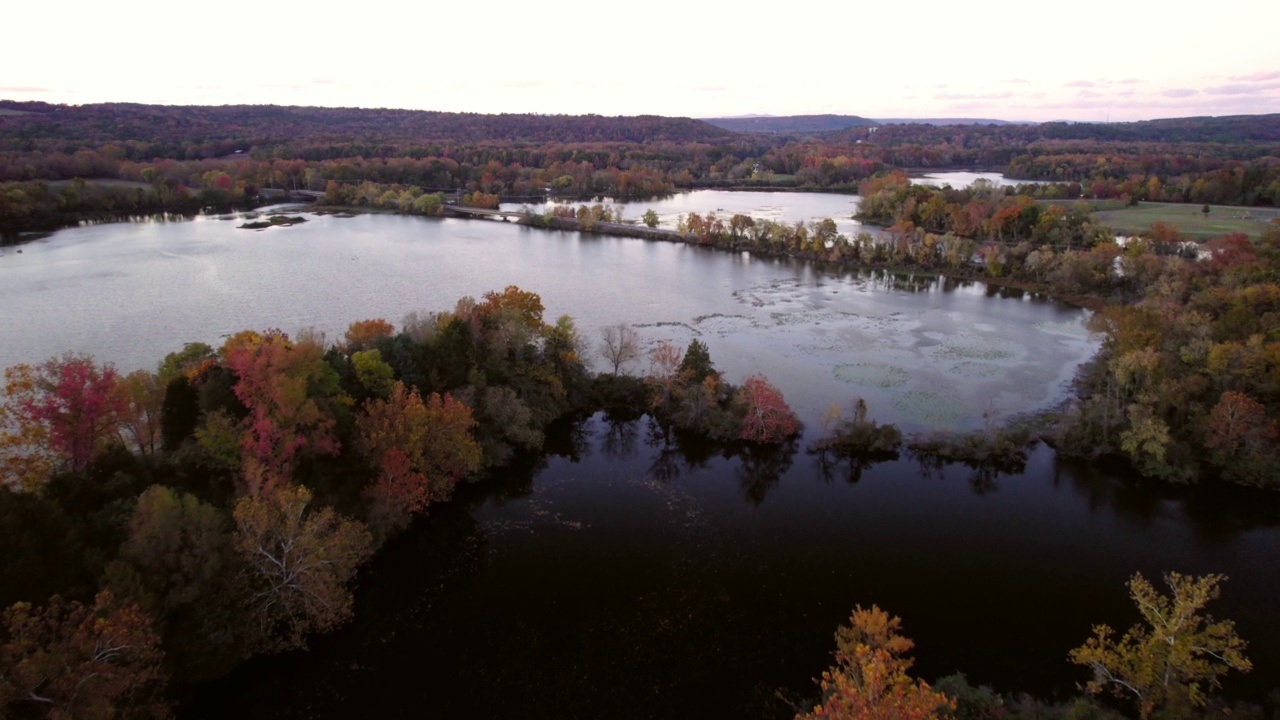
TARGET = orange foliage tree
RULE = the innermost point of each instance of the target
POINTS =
(869, 680)
(363, 334)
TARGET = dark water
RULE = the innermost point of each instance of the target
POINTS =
(635, 576)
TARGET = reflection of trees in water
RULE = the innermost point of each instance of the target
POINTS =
(983, 475)
(619, 437)
(678, 451)
(1215, 512)
(570, 439)
(848, 467)
(762, 466)
(758, 468)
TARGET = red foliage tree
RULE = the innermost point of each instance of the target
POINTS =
(767, 418)
(286, 386)
(67, 402)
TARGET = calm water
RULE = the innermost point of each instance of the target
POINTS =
(776, 206)
(964, 178)
(631, 575)
(922, 351)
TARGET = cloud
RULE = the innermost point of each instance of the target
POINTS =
(323, 81)
(24, 89)
(1241, 89)
(1018, 81)
(1179, 92)
(1130, 81)
(1080, 83)
(973, 96)
(1088, 94)
(710, 88)
(1256, 77)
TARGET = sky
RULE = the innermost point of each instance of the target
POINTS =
(1086, 60)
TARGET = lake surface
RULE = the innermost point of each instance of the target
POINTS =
(923, 351)
(630, 574)
(776, 206)
(964, 178)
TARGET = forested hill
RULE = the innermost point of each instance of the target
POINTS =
(247, 125)
(1229, 130)
(1226, 129)
(790, 124)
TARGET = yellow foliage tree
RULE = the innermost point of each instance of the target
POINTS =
(1172, 661)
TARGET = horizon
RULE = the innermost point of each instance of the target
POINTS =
(582, 59)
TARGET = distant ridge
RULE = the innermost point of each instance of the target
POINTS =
(791, 124)
(946, 121)
(249, 125)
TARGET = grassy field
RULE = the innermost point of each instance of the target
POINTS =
(1190, 221)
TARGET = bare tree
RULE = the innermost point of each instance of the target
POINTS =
(621, 345)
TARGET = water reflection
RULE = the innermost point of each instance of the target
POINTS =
(644, 573)
(849, 467)
(761, 467)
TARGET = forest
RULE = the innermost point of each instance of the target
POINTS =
(181, 159)
(159, 528)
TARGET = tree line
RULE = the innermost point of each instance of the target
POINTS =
(186, 151)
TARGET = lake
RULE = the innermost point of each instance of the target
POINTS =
(923, 351)
(631, 574)
(786, 207)
(964, 178)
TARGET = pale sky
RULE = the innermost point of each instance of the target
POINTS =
(1086, 60)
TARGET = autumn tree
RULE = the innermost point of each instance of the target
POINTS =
(619, 344)
(767, 417)
(1174, 659)
(60, 412)
(176, 564)
(1242, 439)
(869, 680)
(419, 448)
(26, 459)
(297, 565)
(374, 374)
(68, 660)
(664, 372)
(362, 334)
(141, 403)
(290, 393)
